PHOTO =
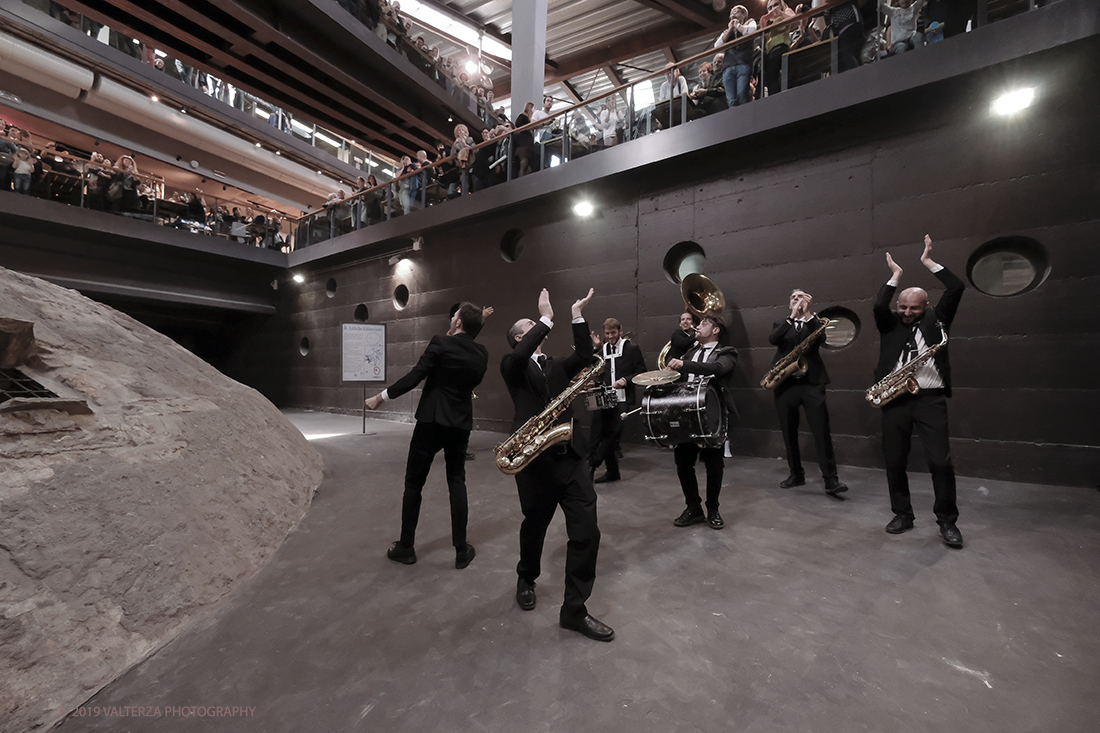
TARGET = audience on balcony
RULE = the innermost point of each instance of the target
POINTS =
(737, 61)
(710, 95)
(523, 142)
(903, 16)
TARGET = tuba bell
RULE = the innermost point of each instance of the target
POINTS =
(701, 298)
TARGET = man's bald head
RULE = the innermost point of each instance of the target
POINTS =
(911, 305)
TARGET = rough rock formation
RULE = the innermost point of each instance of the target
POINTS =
(143, 493)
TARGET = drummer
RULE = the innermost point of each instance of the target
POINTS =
(623, 360)
(707, 359)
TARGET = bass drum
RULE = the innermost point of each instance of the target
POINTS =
(684, 412)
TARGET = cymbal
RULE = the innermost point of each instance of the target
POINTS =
(657, 376)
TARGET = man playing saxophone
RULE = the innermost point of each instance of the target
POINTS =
(559, 475)
(804, 390)
(903, 335)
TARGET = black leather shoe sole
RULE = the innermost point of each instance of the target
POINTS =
(898, 525)
(588, 626)
(792, 481)
(837, 488)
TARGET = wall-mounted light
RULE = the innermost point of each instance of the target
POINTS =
(298, 278)
(583, 208)
(1014, 101)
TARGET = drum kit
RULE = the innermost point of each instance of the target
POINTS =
(674, 411)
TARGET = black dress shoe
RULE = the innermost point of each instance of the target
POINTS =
(691, 515)
(795, 479)
(464, 556)
(525, 594)
(590, 627)
(714, 519)
(899, 524)
(608, 476)
(400, 553)
(834, 487)
(952, 537)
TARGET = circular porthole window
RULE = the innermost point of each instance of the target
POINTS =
(361, 313)
(843, 327)
(330, 287)
(400, 297)
(683, 259)
(303, 346)
(510, 245)
(1008, 266)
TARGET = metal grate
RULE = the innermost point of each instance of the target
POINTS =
(14, 383)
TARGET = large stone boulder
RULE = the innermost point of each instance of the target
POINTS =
(131, 502)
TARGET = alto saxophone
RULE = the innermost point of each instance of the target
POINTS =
(903, 380)
(793, 364)
(539, 433)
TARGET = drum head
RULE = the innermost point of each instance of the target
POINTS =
(713, 412)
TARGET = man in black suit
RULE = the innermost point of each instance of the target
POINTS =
(451, 367)
(559, 475)
(905, 334)
(706, 358)
(806, 391)
(622, 361)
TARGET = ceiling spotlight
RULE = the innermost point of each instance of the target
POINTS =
(258, 145)
(155, 98)
(183, 111)
(583, 208)
(1014, 101)
(450, 118)
(277, 152)
(471, 66)
(298, 278)
(318, 172)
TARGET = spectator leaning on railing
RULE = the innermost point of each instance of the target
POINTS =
(737, 61)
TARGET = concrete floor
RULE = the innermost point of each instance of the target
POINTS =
(802, 615)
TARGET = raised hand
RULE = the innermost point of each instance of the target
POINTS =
(545, 309)
(924, 258)
(895, 269)
(579, 305)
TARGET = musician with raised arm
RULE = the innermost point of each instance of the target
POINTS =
(904, 335)
(805, 390)
(559, 476)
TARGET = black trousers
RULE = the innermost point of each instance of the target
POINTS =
(686, 455)
(810, 397)
(560, 477)
(607, 430)
(427, 440)
(925, 413)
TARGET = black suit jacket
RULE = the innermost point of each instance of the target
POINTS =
(627, 366)
(681, 341)
(720, 365)
(895, 334)
(452, 366)
(532, 389)
(785, 337)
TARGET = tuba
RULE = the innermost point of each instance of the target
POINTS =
(701, 297)
(793, 364)
(903, 379)
(539, 433)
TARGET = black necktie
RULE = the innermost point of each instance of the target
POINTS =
(541, 361)
(798, 326)
(911, 346)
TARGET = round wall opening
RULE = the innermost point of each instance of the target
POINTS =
(683, 259)
(400, 297)
(361, 313)
(303, 346)
(1008, 266)
(843, 327)
(510, 245)
(330, 287)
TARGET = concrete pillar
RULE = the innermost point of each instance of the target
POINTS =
(528, 53)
